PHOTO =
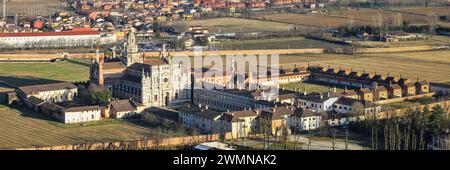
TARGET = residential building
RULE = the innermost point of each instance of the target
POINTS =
(55, 92)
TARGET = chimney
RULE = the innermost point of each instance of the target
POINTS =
(334, 89)
(206, 107)
(200, 105)
(304, 92)
(321, 96)
(345, 90)
(258, 112)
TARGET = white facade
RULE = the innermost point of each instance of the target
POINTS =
(305, 123)
(318, 106)
(345, 109)
(56, 96)
(81, 116)
(211, 125)
(55, 41)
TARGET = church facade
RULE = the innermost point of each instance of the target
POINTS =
(151, 82)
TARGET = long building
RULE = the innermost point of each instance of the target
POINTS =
(79, 37)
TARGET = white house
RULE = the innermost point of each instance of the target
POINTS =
(81, 114)
(304, 119)
(203, 118)
(347, 106)
(241, 123)
(318, 102)
(123, 108)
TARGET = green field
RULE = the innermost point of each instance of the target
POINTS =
(20, 74)
(279, 43)
(310, 87)
(20, 129)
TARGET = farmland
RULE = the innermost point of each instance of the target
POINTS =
(20, 74)
(415, 16)
(428, 40)
(431, 66)
(314, 20)
(34, 7)
(20, 129)
(279, 43)
(237, 25)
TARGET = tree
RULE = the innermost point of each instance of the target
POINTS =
(435, 123)
(99, 96)
(180, 27)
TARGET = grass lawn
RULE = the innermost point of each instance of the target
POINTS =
(21, 74)
(279, 43)
(309, 87)
(20, 129)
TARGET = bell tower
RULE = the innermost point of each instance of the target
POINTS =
(132, 54)
(96, 70)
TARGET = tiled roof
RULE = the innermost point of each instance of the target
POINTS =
(82, 108)
(47, 87)
(122, 105)
(113, 65)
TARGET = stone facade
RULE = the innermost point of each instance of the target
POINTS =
(151, 82)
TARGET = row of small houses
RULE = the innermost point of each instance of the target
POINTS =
(244, 123)
(58, 100)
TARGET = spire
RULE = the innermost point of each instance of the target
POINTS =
(97, 55)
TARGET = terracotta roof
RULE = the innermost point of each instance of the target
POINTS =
(51, 106)
(366, 90)
(395, 86)
(83, 108)
(122, 105)
(113, 65)
(243, 113)
(381, 88)
(278, 112)
(304, 113)
(47, 87)
(154, 62)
